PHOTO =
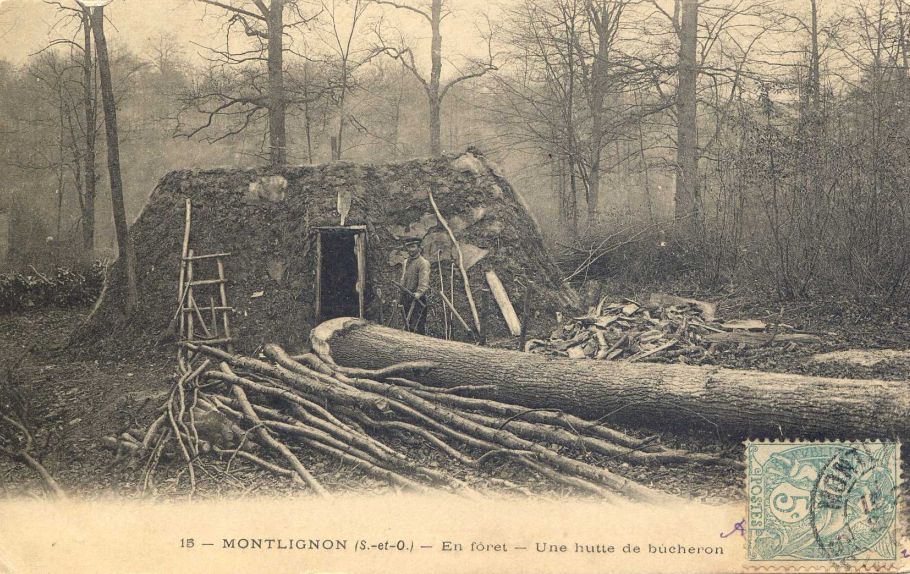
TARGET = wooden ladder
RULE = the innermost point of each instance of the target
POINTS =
(195, 327)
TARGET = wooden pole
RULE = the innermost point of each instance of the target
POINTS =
(184, 253)
(222, 291)
(318, 276)
(452, 296)
(442, 288)
(189, 297)
(525, 316)
(457, 315)
(464, 273)
(214, 317)
(484, 319)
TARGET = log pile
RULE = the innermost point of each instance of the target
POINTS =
(666, 329)
(269, 410)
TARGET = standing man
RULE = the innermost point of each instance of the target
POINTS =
(415, 281)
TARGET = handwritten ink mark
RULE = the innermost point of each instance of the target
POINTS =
(738, 527)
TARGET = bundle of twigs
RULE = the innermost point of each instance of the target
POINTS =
(284, 404)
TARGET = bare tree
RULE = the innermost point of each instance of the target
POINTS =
(349, 59)
(568, 92)
(687, 195)
(50, 141)
(55, 74)
(433, 86)
(714, 40)
(539, 93)
(264, 24)
(89, 189)
(81, 114)
(380, 109)
(126, 250)
(604, 20)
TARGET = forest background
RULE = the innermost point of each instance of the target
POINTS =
(730, 142)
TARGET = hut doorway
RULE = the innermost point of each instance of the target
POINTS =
(340, 271)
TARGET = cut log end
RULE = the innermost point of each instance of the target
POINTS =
(323, 333)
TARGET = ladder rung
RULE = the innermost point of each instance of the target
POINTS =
(217, 308)
(209, 256)
(207, 282)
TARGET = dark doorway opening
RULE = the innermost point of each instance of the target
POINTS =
(340, 271)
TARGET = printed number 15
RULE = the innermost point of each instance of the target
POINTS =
(187, 542)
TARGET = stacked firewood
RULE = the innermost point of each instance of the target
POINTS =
(665, 329)
(274, 407)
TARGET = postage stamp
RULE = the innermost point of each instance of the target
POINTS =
(812, 502)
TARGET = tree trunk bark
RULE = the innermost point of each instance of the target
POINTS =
(688, 208)
(433, 95)
(593, 189)
(339, 137)
(902, 47)
(60, 165)
(277, 100)
(599, 83)
(734, 402)
(88, 102)
(573, 194)
(814, 75)
(125, 247)
(396, 119)
(307, 119)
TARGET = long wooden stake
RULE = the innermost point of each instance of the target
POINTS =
(189, 300)
(452, 294)
(442, 288)
(484, 319)
(214, 317)
(222, 292)
(457, 315)
(184, 253)
(464, 273)
(525, 316)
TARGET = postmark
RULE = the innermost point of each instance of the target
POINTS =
(823, 502)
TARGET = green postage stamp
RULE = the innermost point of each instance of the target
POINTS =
(823, 502)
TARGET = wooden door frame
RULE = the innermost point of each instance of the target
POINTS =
(360, 252)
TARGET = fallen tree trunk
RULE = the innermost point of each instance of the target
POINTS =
(735, 402)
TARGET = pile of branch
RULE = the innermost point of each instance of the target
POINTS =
(667, 329)
(273, 409)
(61, 288)
(587, 261)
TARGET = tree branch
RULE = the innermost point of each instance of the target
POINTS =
(405, 7)
(235, 9)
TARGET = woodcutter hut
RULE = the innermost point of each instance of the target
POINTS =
(313, 242)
